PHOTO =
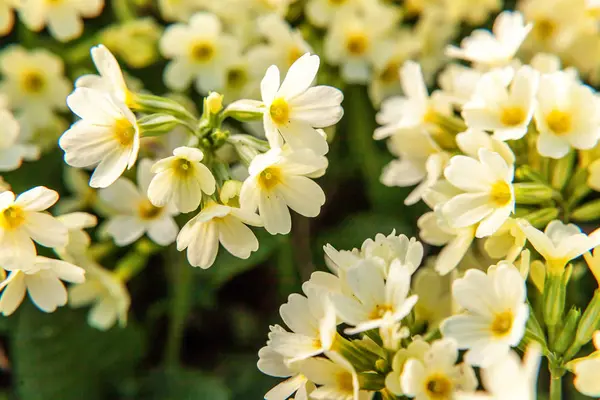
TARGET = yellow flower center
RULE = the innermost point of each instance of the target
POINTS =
(33, 81)
(12, 218)
(202, 51)
(148, 211)
(544, 29)
(512, 116)
(182, 167)
(270, 178)
(390, 73)
(559, 122)
(236, 77)
(124, 132)
(380, 310)
(280, 111)
(439, 387)
(500, 193)
(502, 324)
(357, 43)
(294, 54)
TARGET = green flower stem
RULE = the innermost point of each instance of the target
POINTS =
(180, 289)
(555, 386)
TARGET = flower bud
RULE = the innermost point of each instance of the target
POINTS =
(532, 193)
(525, 172)
(230, 192)
(151, 104)
(541, 218)
(588, 212)
(555, 292)
(214, 103)
(157, 124)
(590, 321)
(562, 171)
(566, 336)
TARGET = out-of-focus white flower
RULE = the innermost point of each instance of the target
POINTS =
(507, 242)
(350, 42)
(274, 364)
(374, 301)
(179, 10)
(107, 136)
(242, 77)
(110, 77)
(415, 350)
(42, 281)
(586, 371)
(458, 83)
(12, 152)
(509, 378)
(496, 313)
(63, 17)
(34, 81)
(567, 115)
(472, 140)
(7, 16)
(489, 197)
(134, 214)
(23, 221)
(559, 243)
(106, 292)
(78, 239)
(182, 179)
(277, 181)
(293, 110)
(337, 377)
(394, 247)
(415, 111)
(82, 197)
(436, 375)
(284, 44)
(312, 321)
(218, 223)
(503, 102)
(435, 297)
(321, 13)
(199, 51)
(494, 48)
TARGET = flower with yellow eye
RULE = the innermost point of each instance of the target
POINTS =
(23, 221)
(34, 81)
(488, 197)
(198, 52)
(132, 213)
(280, 180)
(182, 179)
(495, 313)
(107, 136)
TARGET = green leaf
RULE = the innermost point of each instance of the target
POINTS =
(182, 384)
(358, 227)
(58, 356)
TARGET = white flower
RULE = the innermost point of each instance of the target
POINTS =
(198, 50)
(415, 111)
(567, 115)
(350, 42)
(500, 108)
(277, 181)
(293, 109)
(312, 321)
(110, 77)
(179, 10)
(436, 375)
(218, 223)
(489, 196)
(472, 140)
(63, 17)
(12, 152)
(107, 294)
(274, 364)
(559, 243)
(374, 301)
(508, 378)
(394, 247)
(415, 350)
(21, 220)
(42, 281)
(458, 83)
(321, 13)
(83, 196)
(182, 179)
(284, 44)
(107, 136)
(586, 371)
(34, 81)
(134, 215)
(337, 377)
(78, 240)
(7, 18)
(495, 316)
(497, 48)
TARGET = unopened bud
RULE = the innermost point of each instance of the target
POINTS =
(150, 104)
(230, 193)
(525, 172)
(587, 212)
(590, 321)
(555, 292)
(562, 171)
(541, 218)
(214, 102)
(566, 337)
(157, 124)
(532, 193)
